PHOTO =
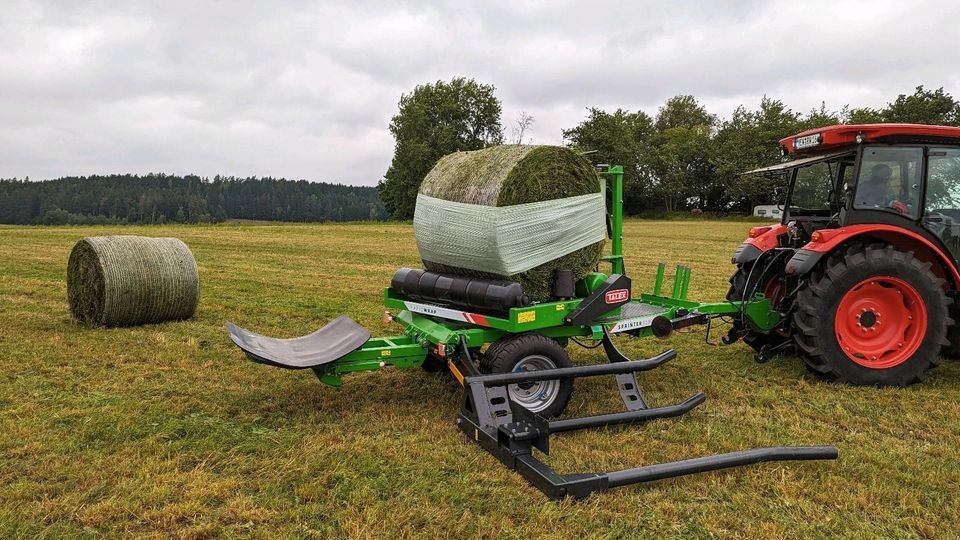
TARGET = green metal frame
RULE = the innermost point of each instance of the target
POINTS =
(615, 174)
(427, 331)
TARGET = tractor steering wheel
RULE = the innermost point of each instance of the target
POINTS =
(899, 206)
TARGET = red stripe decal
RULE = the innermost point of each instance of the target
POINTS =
(478, 319)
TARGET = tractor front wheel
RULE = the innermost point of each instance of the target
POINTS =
(952, 351)
(531, 352)
(749, 280)
(872, 315)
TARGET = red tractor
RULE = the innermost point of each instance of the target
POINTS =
(863, 265)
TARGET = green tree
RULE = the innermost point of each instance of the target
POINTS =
(681, 155)
(435, 120)
(818, 118)
(924, 107)
(683, 111)
(618, 138)
(862, 115)
(750, 140)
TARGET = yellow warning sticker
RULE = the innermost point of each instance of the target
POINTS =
(526, 316)
(561, 307)
(384, 353)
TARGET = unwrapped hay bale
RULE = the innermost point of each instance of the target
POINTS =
(131, 280)
(505, 176)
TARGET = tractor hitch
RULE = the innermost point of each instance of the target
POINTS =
(510, 432)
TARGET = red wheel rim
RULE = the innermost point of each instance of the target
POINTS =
(880, 322)
(774, 291)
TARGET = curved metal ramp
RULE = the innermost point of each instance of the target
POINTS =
(338, 338)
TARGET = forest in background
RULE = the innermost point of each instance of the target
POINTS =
(162, 198)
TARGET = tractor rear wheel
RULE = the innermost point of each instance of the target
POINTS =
(872, 315)
(952, 351)
(753, 278)
(531, 352)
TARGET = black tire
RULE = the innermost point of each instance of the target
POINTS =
(744, 283)
(533, 351)
(820, 298)
(952, 351)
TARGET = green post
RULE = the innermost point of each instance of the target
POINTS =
(677, 282)
(686, 282)
(615, 173)
(658, 283)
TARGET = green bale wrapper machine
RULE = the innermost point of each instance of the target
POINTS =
(509, 355)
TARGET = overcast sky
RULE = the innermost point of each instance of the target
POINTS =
(307, 89)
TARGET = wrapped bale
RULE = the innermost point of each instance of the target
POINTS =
(131, 280)
(513, 211)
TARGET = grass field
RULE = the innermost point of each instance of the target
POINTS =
(168, 431)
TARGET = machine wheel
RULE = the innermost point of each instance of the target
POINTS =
(872, 315)
(531, 352)
(952, 351)
(743, 285)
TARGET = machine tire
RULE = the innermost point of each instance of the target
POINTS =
(740, 288)
(832, 306)
(531, 349)
(952, 351)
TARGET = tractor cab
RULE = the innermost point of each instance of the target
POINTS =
(871, 226)
(903, 175)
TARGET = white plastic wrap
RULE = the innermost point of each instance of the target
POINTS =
(506, 240)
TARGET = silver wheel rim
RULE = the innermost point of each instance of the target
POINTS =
(535, 396)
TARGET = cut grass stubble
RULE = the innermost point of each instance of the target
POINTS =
(167, 430)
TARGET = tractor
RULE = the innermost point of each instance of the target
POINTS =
(862, 267)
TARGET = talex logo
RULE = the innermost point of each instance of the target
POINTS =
(616, 296)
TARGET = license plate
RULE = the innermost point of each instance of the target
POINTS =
(806, 142)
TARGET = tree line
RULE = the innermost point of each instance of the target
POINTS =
(680, 158)
(162, 198)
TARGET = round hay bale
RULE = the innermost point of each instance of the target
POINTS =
(131, 280)
(511, 175)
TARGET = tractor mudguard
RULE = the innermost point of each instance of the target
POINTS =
(746, 253)
(803, 261)
(760, 240)
(338, 338)
(826, 240)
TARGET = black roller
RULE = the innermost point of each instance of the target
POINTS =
(486, 294)
(563, 286)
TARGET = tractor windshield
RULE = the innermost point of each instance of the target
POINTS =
(942, 214)
(815, 188)
(890, 180)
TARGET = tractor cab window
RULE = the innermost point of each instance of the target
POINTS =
(942, 214)
(889, 180)
(814, 190)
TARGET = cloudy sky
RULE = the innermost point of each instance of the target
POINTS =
(306, 89)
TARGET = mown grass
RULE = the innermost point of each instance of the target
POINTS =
(168, 431)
